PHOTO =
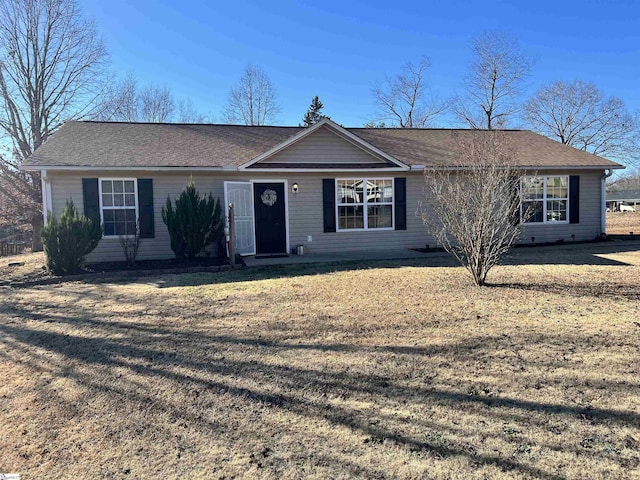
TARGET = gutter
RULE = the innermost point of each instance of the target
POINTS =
(233, 168)
(603, 196)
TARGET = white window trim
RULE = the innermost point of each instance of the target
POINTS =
(135, 191)
(365, 204)
(544, 200)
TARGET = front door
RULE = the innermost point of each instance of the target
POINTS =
(271, 230)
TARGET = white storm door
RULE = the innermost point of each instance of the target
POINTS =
(241, 195)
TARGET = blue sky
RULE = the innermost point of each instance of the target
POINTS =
(338, 49)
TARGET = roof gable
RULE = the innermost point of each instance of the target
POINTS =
(324, 146)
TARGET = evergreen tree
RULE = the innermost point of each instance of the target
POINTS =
(68, 240)
(195, 222)
(314, 114)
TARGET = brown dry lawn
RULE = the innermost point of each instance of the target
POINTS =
(379, 370)
(621, 223)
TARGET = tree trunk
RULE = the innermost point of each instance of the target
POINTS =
(36, 241)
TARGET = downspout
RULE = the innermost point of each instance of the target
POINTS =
(46, 194)
(603, 195)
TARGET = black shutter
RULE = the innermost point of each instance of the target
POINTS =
(145, 207)
(91, 199)
(329, 204)
(400, 194)
(574, 199)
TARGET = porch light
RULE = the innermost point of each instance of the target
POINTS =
(294, 187)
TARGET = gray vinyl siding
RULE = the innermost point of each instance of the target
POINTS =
(306, 218)
(323, 147)
(65, 186)
(305, 212)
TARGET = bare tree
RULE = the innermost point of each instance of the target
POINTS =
(579, 114)
(127, 102)
(51, 70)
(473, 207)
(405, 100)
(495, 81)
(188, 113)
(253, 101)
(156, 104)
(122, 102)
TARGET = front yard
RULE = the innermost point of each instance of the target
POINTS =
(621, 223)
(379, 370)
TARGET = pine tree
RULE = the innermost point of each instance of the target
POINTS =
(195, 222)
(314, 114)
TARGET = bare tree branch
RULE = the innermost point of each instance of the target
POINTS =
(578, 114)
(254, 100)
(51, 70)
(494, 83)
(156, 104)
(405, 100)
(473, 209)
(126, 102)
(188, 113)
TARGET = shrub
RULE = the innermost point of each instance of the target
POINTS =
(131, 244)
(194, 223)
(67, 241)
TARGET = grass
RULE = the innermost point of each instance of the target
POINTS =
(621, 223)
(22, 267)
(379, 370)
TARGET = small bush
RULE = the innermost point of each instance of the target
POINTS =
(194, 223)
(67, 241)
(131, 244)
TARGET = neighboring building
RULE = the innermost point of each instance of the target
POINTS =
(623, 201)
(326, 187)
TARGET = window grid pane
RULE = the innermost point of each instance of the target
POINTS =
(532, 188)
(534, 210)
(379, 216)
(556, 210)
(350, 191)
(557, 187)
(350, 217)
(119, 207)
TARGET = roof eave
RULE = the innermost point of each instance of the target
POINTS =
(535, 167)
(75, 168)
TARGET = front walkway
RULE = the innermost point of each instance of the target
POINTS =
(544, 251)
(392, 254)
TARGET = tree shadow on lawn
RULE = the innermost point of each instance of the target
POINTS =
(609, 290)
(140, 350)
(550, 255)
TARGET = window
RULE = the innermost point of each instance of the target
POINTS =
(545, 199)
(118, 206)
(364, 203)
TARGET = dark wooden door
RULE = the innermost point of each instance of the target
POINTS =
(271, 232)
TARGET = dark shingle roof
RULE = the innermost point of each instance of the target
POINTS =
(437, 147)
(111, 144)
